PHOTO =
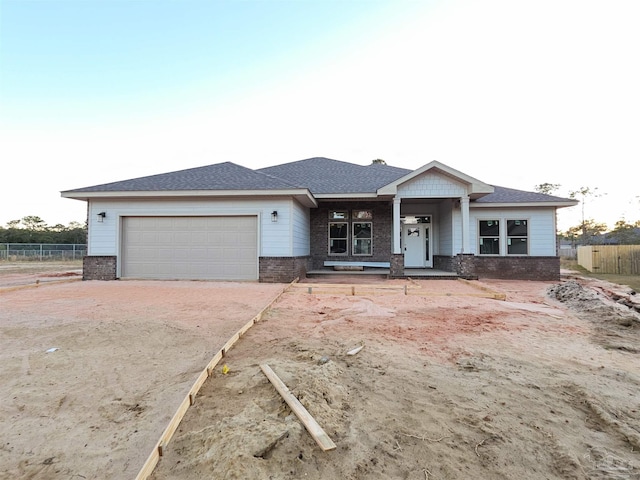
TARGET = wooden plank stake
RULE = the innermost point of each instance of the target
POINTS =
(314, 429)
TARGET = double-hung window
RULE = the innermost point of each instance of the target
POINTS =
(517, 237)
(362, 238)
(338, 232)
(489, 237)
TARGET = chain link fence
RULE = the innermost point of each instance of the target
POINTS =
(42, 251)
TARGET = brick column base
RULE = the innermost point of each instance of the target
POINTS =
(99, 267)
(465, 264)
(283, 269)
(397, 265)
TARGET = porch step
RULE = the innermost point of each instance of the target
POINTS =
(418, 274)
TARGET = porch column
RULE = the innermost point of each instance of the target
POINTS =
(464, 208)
(396, 226)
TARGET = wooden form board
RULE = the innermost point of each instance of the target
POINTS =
(158, 449)
(484, 288)
(314, 429)
(353, 290)
(38, 284)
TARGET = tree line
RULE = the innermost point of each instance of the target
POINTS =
(589, 231)
(33, 229)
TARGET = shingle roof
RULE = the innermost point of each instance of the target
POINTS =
(325, 176)
(319, 175)
(221, 176)
(511, 195)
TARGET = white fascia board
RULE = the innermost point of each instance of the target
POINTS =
(302, 195)
(525, 204)
(475, 185)
(344, 196)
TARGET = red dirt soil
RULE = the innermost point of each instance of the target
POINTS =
(450, 383)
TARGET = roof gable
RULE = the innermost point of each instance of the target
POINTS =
(475, 187)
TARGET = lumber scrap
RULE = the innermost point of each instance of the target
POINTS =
(314, 429)
(355, 350)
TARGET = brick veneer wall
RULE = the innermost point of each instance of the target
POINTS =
(283, 269)
(518, 268)
(96, 267)
(444, 263)
(382, 231)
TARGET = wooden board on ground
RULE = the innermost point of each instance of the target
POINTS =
(314, 429)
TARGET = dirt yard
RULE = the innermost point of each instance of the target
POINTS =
(450, 384)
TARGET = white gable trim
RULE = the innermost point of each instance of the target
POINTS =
(475, 188)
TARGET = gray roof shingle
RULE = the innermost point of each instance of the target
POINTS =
(221, 176)
(319, 175)
(511, 195)
(325, 176)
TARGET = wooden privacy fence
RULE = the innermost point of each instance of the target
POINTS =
(618, 259)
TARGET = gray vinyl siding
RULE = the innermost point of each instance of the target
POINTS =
(274, 238)
(301, 227)
(541, 228)
(445, 229)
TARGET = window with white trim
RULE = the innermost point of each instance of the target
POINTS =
(338, 236)
(489, 237)
(517, 237)
(362, 238)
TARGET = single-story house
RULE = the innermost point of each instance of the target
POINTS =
(274, 224)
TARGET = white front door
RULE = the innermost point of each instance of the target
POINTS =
(416, 246)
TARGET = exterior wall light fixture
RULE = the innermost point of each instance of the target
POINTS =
(274, 216)
(101, 216)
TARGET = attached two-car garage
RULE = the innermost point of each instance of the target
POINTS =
(190, 248)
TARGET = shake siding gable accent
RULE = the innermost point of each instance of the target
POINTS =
(432, 185)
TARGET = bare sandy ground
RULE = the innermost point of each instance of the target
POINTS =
(92, 372)
(450, 384)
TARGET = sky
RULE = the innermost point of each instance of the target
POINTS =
(513, 93)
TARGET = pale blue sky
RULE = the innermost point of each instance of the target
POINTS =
(515, 93)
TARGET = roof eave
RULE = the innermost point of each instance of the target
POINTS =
(522, 204)
(304, 196)
(342, 196)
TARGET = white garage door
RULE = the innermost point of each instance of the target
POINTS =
(193, 248)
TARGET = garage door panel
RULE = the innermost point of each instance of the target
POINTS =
(221, 248)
